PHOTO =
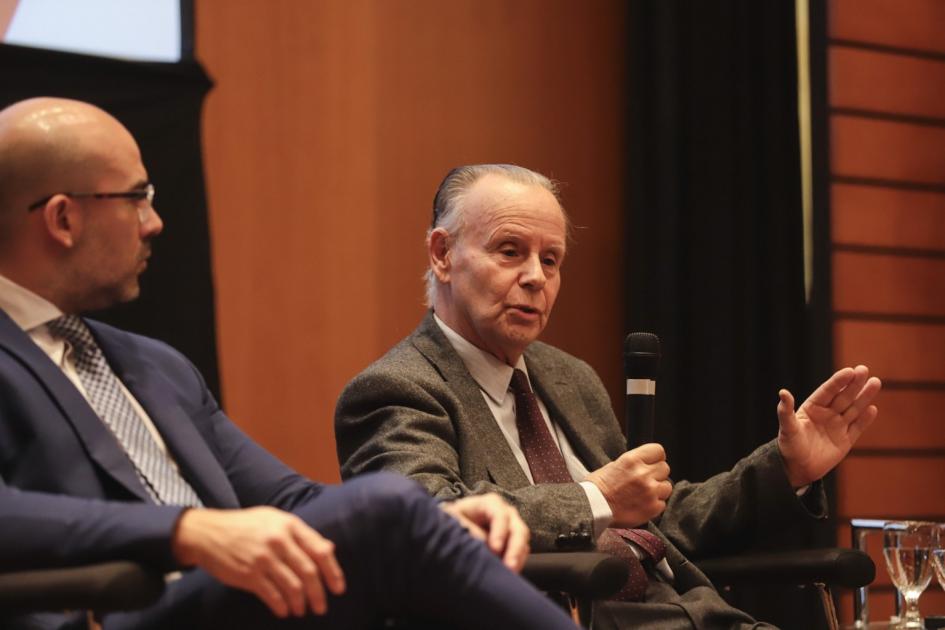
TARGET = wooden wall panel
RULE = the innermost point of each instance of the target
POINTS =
(866, 79)
(328, 130)
(878, 487)
(890, 284)
(862, 147)
(916, 24)
(894, 351)
(886, 78)
(887, 217)
(909, 419)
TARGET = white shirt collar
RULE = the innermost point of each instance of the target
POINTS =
(24, 307)
(492, 375)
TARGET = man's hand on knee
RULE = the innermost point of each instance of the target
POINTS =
(490, 519)
(636, 485)
(266, 551)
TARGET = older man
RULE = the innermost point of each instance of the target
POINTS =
(112, 447)
(470, 402)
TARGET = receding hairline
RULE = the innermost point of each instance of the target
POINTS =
(448, 203)
(492, 193)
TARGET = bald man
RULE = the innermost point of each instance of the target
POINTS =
(111, 447)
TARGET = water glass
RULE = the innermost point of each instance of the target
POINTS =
(908, 546)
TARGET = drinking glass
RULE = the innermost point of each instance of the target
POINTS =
(938, 554)
(907, 546)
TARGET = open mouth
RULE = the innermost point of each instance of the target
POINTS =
(524, 308)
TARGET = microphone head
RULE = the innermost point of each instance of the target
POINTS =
(641, 355)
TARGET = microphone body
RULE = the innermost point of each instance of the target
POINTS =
(641, 360)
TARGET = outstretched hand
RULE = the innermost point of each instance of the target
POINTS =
(821, 433)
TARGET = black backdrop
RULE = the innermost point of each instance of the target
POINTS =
(160, 104)
(715, 253)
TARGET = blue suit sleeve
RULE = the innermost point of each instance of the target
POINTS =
(47, 530)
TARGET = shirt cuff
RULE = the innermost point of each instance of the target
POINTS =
(600, 509)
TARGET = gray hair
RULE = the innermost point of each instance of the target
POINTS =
(447, 203)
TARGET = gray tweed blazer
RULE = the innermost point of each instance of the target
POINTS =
(417, 411)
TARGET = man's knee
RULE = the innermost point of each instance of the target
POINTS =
(388, 496)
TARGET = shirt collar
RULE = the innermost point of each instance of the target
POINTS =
(492, 375)
(24, 307)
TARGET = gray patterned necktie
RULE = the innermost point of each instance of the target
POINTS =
(154, 468)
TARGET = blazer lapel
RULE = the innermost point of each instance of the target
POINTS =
(567, 410)
(197, 463)
(500, 462)
(99, 442)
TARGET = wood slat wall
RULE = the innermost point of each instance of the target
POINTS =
(910, 84)
(911, 284)
(886, 80)
(871, 149)
(881, 216)
(912, 424)
(910, 24)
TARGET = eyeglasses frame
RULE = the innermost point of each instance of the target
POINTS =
(138, 195)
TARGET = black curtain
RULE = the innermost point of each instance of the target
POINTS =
(160, 104)
(715, 235)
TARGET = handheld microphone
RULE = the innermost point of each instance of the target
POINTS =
(641, 359)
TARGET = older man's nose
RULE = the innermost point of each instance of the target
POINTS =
(533, 274)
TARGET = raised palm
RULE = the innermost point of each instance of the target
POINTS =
(815, 438)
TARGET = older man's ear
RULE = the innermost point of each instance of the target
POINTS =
(438, 250)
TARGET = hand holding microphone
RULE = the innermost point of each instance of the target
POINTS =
(636, 484)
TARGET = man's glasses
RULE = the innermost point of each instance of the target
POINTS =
(146, 193)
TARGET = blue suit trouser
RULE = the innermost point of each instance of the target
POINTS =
(402, 556)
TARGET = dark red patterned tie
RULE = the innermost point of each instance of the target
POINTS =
(547, 465)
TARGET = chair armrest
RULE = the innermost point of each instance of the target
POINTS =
(100, 587)
(831, 566)
(581, 574)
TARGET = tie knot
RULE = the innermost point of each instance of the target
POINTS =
(71, 328)
(519, 384)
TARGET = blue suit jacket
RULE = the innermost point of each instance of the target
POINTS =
(68, 492)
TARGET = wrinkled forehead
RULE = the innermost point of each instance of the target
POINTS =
(510, 205)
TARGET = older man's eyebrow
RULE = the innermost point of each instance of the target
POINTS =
(141, 184)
